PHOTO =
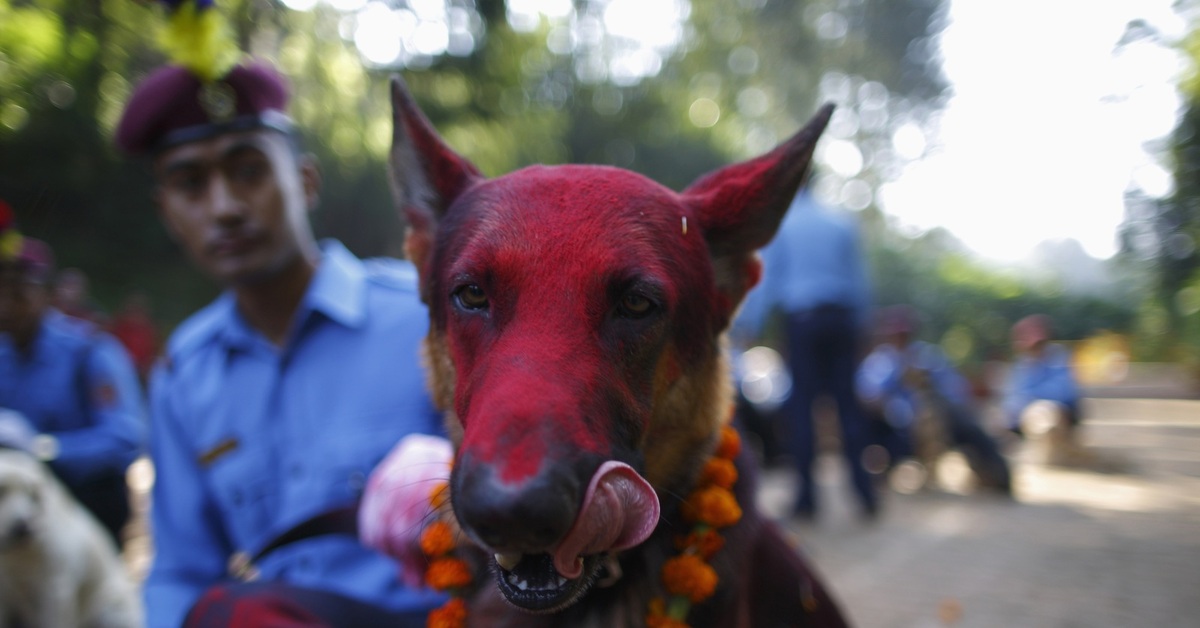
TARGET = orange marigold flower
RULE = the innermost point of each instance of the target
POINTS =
(690, 577)
(437, 539)
(662, 621)
(719, 471)
(439, 495)
(705, 544)
(657, 616)
(713, 505)
(452, 614)
(729, 445)
(447, 573)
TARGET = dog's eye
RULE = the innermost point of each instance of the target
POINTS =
(634, 305)
(471, 297)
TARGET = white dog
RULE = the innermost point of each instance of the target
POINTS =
(58, 568)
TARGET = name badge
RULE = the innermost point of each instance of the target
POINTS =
(219, 451)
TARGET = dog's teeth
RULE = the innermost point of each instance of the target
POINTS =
(522, 585)
(507, 561)
(562, 582)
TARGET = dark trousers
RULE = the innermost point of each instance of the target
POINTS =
(981, 451)
(823, 346)
(107, 498)
(280, 605)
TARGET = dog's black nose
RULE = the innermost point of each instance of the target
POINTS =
(529, 517)
(20, 530)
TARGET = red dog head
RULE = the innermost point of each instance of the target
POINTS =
(577, 314)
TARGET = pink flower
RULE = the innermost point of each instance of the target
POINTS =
(395, 505)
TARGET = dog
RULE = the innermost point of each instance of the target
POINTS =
(577, 346)
(58, 567)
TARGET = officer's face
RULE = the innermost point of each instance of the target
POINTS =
(22, 301)
(238, 203)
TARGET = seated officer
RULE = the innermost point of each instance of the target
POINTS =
(275, 402)
(73, 384)
(904, 378)
(1041, 393)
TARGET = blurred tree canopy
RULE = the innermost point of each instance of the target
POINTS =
(1164, 234)
(669, 88)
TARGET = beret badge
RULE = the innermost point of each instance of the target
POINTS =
(218, 100)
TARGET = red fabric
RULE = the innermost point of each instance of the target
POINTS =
(139, 335)
(261, 607)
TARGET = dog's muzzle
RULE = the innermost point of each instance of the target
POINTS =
(543, 564)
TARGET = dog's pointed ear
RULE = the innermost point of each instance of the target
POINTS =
(426, 176)
(740, 206)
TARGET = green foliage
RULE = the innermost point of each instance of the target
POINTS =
(1166, 232)
(967, 307)
(761, 66)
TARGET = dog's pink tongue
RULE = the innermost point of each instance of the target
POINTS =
(619, 511)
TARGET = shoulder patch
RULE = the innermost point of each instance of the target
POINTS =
(197, 330)
(395, 273)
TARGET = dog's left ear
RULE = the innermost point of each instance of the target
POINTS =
(740, 206)
(426, 176)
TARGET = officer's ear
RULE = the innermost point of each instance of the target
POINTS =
(310, 178)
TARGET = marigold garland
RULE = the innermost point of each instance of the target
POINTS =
(719, 472)
(711, 505)
(437, 539)
(706, 543)
(445, 572)
(452, 614)
(687, 577)
(658, 618)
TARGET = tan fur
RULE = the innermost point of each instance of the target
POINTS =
(686, 417)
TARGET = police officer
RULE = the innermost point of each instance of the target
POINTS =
(814, 272)
(74, 384)
(903, 377)
(1041, 392)
(274, 402)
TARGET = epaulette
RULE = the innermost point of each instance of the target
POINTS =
(196, 331)
(391, 272)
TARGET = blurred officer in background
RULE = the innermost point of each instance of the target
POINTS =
(74, 384)
(1042, 372)
(904, 381)
(814, 273)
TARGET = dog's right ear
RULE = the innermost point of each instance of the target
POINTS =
(426, 175)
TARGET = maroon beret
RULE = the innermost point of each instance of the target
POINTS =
(172, 106)
(33, 258)
(897, 319)
(1031, 330)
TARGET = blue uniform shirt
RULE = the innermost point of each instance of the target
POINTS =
(815, 259)
(1049, 378)
(249, 439)
(78, 385)
(880, 380)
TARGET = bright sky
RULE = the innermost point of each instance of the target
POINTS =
(1045, 132)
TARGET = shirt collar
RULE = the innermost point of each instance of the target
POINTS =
(339, 288)
(337, 291)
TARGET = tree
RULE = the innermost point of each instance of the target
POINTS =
(1166, 232)
(503, 91)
